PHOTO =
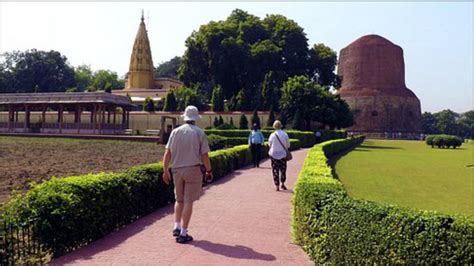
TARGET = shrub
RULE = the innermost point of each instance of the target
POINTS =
(255, 119)
(307, 138)
(333, 228)
(71, 212)
(225, 126)
(216, 142)
(444, 141)
(243, 123)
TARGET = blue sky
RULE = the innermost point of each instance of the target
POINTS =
(437, 38)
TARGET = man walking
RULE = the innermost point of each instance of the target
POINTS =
(186, 150)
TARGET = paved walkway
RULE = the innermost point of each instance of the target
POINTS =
(240, 220)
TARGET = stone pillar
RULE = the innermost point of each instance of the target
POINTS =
(10, 117)
(43, 117)
(94, 118)
(60, 118)
(27, 118)
(78, 118)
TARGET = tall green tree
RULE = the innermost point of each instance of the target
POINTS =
(243, 122)
(322, 63)
(168, 69)
(149, 105)
(217, 101)
(170, 102)
(270, 88)
(49, 71)
(446, 121)
(428, 123)
(104, 79)
(255, 118)
(271, 118)
(84, 77)
(466, 123)
(314, 103)
(238, 52)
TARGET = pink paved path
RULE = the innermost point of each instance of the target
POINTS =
(240, 220)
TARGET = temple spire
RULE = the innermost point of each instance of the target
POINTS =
(140, 75)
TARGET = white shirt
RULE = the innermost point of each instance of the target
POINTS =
(187, 143)
(276, 150)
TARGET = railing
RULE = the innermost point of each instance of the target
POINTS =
(64, 126)
(19, 244)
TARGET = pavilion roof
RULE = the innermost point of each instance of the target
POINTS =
(64, 98)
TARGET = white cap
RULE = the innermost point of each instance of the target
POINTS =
(191, 113)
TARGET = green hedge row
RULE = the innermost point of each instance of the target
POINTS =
(73, 211)
(444, 141)
(307, 138)
(335, 228)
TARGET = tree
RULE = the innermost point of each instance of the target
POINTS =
(104, 79)
(270, 87)
(446, 122)
(243, 123)
(428, 123)
(242, 101)
(168, 69)
(149, 105)
(84, 76)
(217, 101)
(298, 122)
(322, 63)
(271, 118)
(188, 96)
(314, 103)
(49, 71)
(170, 102)
(255, 119)
(237, 53)
(466, 123)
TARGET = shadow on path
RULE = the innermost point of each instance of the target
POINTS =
(237, 251)
(114, 239)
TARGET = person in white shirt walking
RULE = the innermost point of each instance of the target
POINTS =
(186, 150)
(279, 143)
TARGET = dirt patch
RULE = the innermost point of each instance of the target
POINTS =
(23, 160)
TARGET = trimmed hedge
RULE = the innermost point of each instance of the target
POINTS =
(307, 138)
(216, 142)
(335, 228)
(444, 141)
(71, 212)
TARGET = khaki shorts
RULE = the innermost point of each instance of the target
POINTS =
(187, 183)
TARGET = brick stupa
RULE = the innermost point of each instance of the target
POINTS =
(373, 84)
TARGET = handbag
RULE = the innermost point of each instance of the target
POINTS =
(289, 156)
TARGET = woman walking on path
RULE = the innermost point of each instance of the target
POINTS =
(256, 140)
(279, 143)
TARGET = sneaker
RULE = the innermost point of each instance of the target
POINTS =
(176, 232)
(277, 188)
(283, 187)
(184, 239)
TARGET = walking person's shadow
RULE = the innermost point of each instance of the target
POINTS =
(237, 251)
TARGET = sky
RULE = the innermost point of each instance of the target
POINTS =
(437, 38)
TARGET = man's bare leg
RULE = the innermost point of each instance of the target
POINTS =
(187, 212)
(178, 212)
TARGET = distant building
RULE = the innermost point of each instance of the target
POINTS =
(372, 70)
(141, 82)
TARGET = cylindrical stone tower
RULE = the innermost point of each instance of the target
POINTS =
(372, 70)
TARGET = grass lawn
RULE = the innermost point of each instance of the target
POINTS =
(411, 174)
